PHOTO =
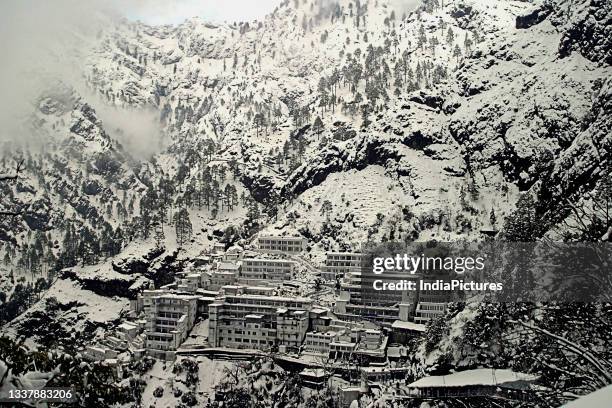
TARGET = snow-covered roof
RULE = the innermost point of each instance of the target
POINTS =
(598, 399)
(313, 372)
(287, 238)
(228, 265)
(398, 324)
(268, 260)
(479, 376)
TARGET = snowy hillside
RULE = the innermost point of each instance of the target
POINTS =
(342, 121)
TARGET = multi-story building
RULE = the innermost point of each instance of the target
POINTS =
(218, 248)
(359, 300)
(427, 311)
(144, 300)
(169, 320)
(431, 304)
(341, 263)
(215, 280)
(225, 273)
(318, 343)
(341, 349)
(97, 353)
(259, 270)
(233, 254)
(189, 283)
(403, 332)
(291, 329)
(292, 245)
(226, 266)
(244, 318)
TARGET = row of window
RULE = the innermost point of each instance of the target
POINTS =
(166, 322)
(241, 340)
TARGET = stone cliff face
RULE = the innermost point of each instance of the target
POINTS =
(532, 107)
(587, 29)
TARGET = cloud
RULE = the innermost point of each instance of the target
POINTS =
(138, 130)
(402, 7)
(44, 45)
(45, 42)
(175, 12)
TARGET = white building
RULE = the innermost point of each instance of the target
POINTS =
(215, 280)
(431, 304)
(292, 245)
(291, 328)
(318, 343)
(359, 300)
(233, 254)
(256, 270)
(341, 263)
(190, 283)
(169, 320)
(96, 353)
(427, 311)
(244, 318)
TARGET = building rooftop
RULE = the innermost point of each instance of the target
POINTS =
(228, 265)
(342, 343)
(318, 333)
(313, 372)
(176, 296)
(479, 376)
(281, 237)
(269, 260)
(234, 249)
(264, 297)
(398, 324)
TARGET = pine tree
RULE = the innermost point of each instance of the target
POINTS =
(493, 218)
(318, 126)
(365, 116)
(450, 36)
(159, 235)
(457, 52)
(183, 226)
(523, 225)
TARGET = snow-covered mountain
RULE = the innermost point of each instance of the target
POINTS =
(345, 121)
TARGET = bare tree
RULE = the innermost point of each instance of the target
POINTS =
(583, 367)
(592, 221)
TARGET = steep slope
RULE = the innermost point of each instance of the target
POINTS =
(345, 121)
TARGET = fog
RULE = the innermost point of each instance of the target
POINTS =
(45, 42)
(402, 7)
(175, 12)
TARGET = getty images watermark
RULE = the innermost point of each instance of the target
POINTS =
(431, 266)
(501, 271)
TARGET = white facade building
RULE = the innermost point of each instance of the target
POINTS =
(169, 320)
(292, 245)
(341, 263)
(256, 270)
(244, 318)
